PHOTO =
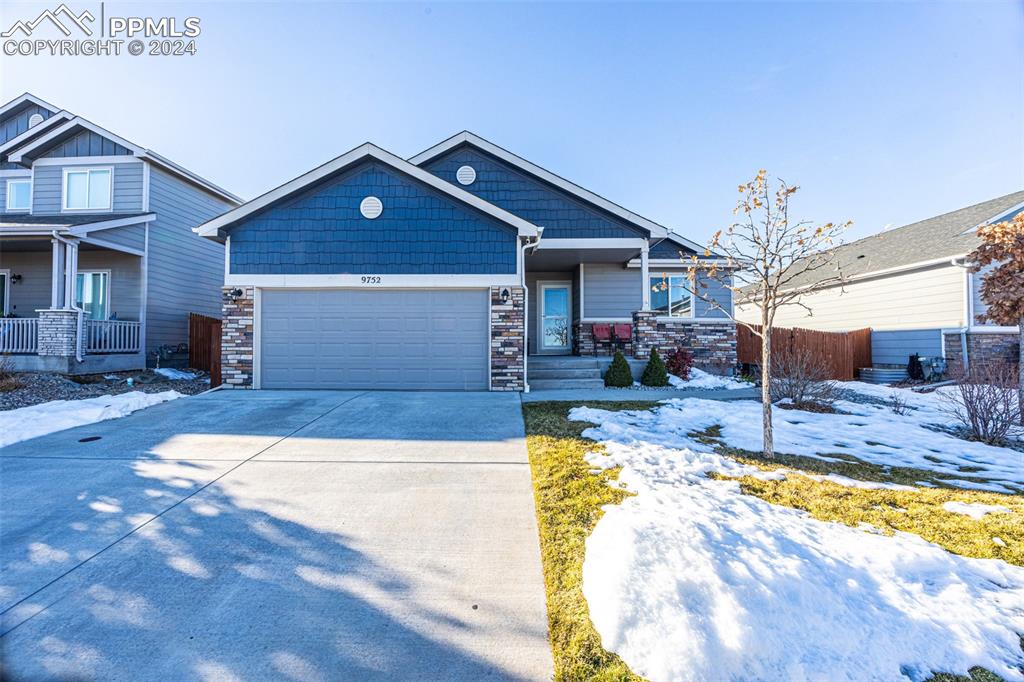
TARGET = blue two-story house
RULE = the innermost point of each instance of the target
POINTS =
(99, 267)
(465, 267)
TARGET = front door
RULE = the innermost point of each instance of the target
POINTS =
(554, 317)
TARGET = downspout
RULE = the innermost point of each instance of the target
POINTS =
(71, 304)
(526, 306)
(968, 313)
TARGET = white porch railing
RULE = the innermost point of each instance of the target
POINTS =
(19, 334)
(112, 336)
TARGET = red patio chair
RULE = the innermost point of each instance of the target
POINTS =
(602, 334)
(623, 334)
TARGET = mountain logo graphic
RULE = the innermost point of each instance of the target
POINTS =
(27, 27)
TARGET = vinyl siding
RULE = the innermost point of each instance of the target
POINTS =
(717, 292)
(921, 299)
(32, 293)
(532, 278)
(47, 191)
(132, 236)
(85, 143)
(562, 215)
(186, 271)
(978, 305)
(610, 291)
(16, 123)
(421, 231)
(896, 347)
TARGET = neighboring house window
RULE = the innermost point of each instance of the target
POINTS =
(19, 195)
(671, 296)
(92, 294)
(87, 189)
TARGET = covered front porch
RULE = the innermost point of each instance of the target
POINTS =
(574, 284)
(69, 305)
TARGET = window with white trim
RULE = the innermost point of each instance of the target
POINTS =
(671, 295)
(19, 195)
(92, 293)
(87, 189)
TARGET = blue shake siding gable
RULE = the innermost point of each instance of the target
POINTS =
(560, 214)
(420, 231)
(86, 143)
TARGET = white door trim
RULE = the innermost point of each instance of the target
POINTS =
(553, 284)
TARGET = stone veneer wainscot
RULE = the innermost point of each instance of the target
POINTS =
(983, 348)
(713, 344)
(236, 350)
(508, 340)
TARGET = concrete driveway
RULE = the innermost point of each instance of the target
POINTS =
(276, 535)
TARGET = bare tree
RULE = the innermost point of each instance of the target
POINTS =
(783, 261)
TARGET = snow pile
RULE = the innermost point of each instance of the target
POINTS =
(691, 579)
(175, 374)
(57, 415)
(701, 379)
(975, 510)
(872, 433)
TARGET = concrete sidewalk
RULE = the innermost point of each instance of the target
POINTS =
(621, 394)
(285, 535)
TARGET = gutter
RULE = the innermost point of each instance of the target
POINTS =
(961, 262)
(526, 306)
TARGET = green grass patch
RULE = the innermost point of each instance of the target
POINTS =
(569, 499)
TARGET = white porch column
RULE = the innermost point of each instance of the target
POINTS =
(70, 273)
(57, 275)
(645, 275)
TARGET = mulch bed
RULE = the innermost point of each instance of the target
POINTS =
(41, 387)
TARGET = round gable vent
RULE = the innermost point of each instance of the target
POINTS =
(371, 207)
(34, 120)
(466, 175)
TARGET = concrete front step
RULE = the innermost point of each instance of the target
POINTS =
(545, 384)
(563, 361)
(534, 372)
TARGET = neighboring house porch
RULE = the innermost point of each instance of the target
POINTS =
(70, 304)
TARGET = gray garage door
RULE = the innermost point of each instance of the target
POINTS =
(406, 339)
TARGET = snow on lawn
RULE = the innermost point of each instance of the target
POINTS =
(691, 579)
(975, 510)
(873, 433)
(57, 415)
(175, 374)
(701, 379)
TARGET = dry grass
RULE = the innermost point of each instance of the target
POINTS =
(569, 500)
(9, 381)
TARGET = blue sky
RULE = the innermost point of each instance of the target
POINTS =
(884, 113)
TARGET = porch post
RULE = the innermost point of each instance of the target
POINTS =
(70, 273)
(57, 276)
(645, 276)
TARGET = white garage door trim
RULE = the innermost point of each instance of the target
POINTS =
(257, 321)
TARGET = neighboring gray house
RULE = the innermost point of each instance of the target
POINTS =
(444, 271)
(912, 287)
(99, 267)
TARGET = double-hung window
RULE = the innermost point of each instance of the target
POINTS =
(19, 195)
(87, 189)
(671, 295)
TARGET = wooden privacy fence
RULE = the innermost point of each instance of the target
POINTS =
(204, 345)
(842, 353)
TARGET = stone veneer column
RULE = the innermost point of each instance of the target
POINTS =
(645, 332)
(508, 340)
(236, 350)
(57, 332)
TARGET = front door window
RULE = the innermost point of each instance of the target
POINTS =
(92, 294)
(554, 323)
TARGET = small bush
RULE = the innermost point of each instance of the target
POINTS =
(679, 363)
(8, 379)
(898, 404)
(654, 373)
(618, 375)
(796, 376)
(985, 402)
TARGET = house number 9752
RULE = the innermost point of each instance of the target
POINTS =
(370, 280)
